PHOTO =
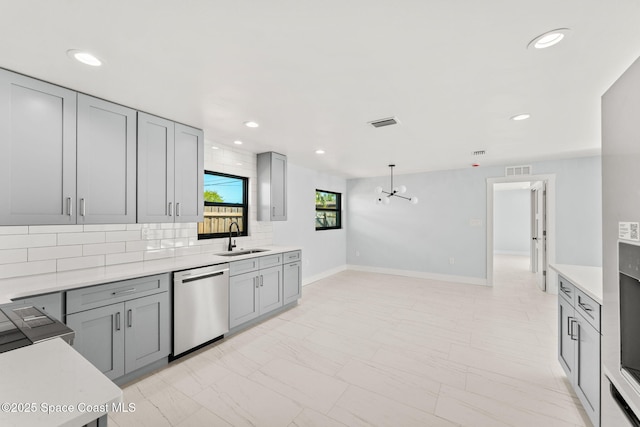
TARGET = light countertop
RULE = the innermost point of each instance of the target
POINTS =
(20, 287)
(587, 279)
(53, 373)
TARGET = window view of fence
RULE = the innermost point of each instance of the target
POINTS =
(328, 207)
(225, 202)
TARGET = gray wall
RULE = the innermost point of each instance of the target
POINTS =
(512, 222)
(324, 252)
(422, 238)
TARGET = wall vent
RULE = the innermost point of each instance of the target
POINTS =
(518, 170)
(479, 153)
(384, 122)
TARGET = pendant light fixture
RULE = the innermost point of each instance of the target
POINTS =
(384, 197)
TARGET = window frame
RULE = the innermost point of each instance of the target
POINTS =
(244, 205)
(337, 210)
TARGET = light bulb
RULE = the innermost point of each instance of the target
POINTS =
(378, 190)
(386, 200)
(414, 200)
(402, 189)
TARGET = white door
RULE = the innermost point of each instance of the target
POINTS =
(539, 233)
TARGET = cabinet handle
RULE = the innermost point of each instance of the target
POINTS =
(565, 290)
(261, 280)
(170, 208)
(571, 334)
(129, 318)
(126, 291)
(585, 307)
(83, 207)
(274, 211)
(177, 209)
(117, 321)
(70, 205)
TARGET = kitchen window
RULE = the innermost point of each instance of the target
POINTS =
(225, 202)
(328, 210)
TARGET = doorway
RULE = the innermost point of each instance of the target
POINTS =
(537, 209)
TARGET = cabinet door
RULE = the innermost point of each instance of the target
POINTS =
(291, 281)
(106, 162)
(243, 298)
(189, 174)
(566, 337)
(37, 152)
(155, 169)
(100, 337)
(278, 187)
(587, 372)
(270, 289)
(146, 325)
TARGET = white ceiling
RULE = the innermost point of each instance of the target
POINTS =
(313, 73)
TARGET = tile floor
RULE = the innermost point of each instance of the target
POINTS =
(365, 349)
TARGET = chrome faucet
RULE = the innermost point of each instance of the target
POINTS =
(231, 246)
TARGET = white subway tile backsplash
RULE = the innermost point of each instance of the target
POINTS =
(14, 229)
(81, 238)
(27, 268)
(80, 262)
(124, 258)
(103, 248)
(143, 245)
(105, 227)
(43, 229)
(10, 256)
(159, 253)
(55, 252)
(17, 241)
(122, 236)
(174, 243)
(134, 227)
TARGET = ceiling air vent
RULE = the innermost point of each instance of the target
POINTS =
(517, 170)
(479, 153)
(384, 122)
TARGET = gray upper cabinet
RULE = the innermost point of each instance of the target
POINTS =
(37, 152)
(272, 187)
(189, 174)
(156, 142)
(106, 162)
(170, 171)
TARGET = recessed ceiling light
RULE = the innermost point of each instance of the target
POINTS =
(549, 38)
(84, 57)
(237, 142)
(215, 148)
(319, 151)
(251, 124)
(519, 117)
(239, 164)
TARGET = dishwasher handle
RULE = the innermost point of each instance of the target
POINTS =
(204, 276)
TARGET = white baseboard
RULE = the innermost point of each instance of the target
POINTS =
(421, 275)
(520, 253)
(308, 280)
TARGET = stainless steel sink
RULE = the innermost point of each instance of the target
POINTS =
(242, 252)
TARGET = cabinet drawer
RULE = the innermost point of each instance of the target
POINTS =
(292, 256)
(50, 303)
(589, 309)
(111, 293)
(566, 290)
(244, 266)
(270, 261)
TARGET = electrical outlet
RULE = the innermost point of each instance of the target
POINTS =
(452, 260)
(145, 233)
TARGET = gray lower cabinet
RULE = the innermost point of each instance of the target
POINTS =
(106, 190)
(292, 281)
(256, 292)
(37, 152)
(579, 345)
(122, 331)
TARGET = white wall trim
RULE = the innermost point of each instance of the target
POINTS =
(518, 253)
(420, 275)
(551, 217)
(309, 280)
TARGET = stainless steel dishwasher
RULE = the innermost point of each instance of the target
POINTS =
(200, 306)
